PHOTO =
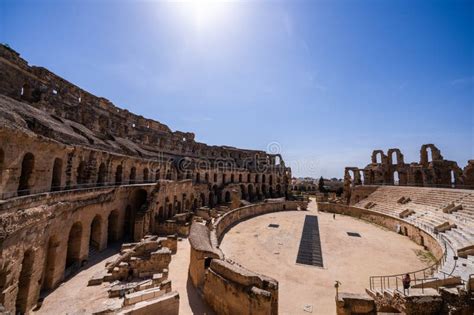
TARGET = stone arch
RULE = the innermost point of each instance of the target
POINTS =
(118, 175)
(232, 178)
(248, 178)
(56, 174)
(198, 177)
(243, 192)
(168, 174)
(81, 178)
(73, 256)
(263, 179)
(133, 175)
(27, 168)
(206, 177)
(157, 175)
(113, 227)
(395, 156)
(50, 263)
(95, 237)
(250, 191)
(227, 196)
(377, 157)
(240, 178)
(215, 177)
(127, 224)
(396, 178)
(101, 175)
(270, 180)
(25, 282)
(211, 199)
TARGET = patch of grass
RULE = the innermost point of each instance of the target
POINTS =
(425, 256)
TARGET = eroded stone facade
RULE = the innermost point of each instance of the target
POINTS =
(78, 173)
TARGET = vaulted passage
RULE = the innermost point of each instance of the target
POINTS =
(96, 234)
(74, 245)
(57, 171)
(24, 281)
(27, 167)
(50, 263)
(113, 227)
(101, 176)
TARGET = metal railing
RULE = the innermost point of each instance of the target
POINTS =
(418, 277)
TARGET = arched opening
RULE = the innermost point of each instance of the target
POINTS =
(27, 166)
(145, 175)
(394, 158)
(453, 179)
(263, 178)
(56, 176)
(256, 178)
(248, 178)
(73, 256)
(195, 204)
(198, 177)
(161, 213)
(232, 178)
(203, 200)
(396, 178)
(101, 175)
(211, 200)
(418, 176)
(270, 180)
(96, 235)
(215, 178)
(168, 174)
(243, 192)
(113, 227)
(265, 192)
(224, 178)
(250, 193)
(240, 178)
(170, 211)
(378, 157)
(227, 196)
(118, 175)
(133, 175)
(81, 174)
(127, 226)
(50, 263)
(157, 175)
(24, 282)
(429, 154)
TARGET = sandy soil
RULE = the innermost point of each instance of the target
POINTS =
(350, 260)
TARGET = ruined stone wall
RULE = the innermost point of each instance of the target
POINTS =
(226, 286)
(431, 171)
(77, 172)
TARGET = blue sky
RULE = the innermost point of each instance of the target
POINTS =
(329, 81)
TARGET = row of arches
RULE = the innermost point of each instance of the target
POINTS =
(61, 259)
(84, 175)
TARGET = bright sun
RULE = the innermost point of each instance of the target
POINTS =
(206, 13)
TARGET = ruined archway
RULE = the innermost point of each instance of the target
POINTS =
(50, 263)
(96, 234)
(250, 192)
(81, 174)
(24, 282)
(101, 176)
(56, 176)
(27, 167)
(396, 178)
(74, 245)
(227, 196)
(133, 175)
(113, 227)
(118, 175)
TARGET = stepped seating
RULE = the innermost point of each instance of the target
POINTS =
(450, 211)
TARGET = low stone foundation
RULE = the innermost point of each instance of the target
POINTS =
(227, 287)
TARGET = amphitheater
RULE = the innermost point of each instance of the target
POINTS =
(106, 212)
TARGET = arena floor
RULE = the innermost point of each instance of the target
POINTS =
(350, 260)
(272, 252)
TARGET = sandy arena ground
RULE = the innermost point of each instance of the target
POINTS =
(350, 260)
(272, 252)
